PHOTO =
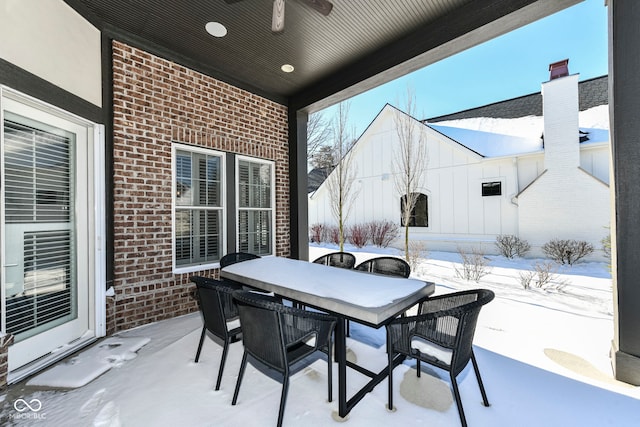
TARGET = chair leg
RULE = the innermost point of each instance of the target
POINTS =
(390, 368)
(225, 349)
(243, 364)
(283, 398)
(330, 370)
(456, 394)
(204, 332)
(418, 369)
(390, 379)
(479, 378)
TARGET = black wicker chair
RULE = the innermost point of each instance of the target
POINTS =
(441, 335)
(337, 259)
(390, 266)
(278, 337)
(220, 315)
(235, 257)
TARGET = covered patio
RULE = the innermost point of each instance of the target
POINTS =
(233, 97)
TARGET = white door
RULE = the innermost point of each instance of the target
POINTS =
(45, 212)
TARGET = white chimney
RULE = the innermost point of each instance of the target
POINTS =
(560, 113)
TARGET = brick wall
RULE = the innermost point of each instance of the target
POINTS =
(156, 102)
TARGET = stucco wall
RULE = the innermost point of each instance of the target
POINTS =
(49, 39)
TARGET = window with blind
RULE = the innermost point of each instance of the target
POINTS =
(39, 221)
(199, 204)
(255, 206)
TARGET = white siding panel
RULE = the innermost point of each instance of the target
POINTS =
(476, 206)
(461, 210)
(596, 162)
(552, 209)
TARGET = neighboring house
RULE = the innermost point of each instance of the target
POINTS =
(537, 177)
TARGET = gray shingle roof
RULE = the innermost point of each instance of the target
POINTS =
(316, 177)
(592, 92)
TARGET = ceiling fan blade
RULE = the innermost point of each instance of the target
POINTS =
(277, 23)
(322, 6)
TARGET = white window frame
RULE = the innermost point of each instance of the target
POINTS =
(272, 164)
(175, 147)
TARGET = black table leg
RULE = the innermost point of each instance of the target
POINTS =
(341, 360)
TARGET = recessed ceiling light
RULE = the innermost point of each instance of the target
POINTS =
(287, 68)
(216, 29)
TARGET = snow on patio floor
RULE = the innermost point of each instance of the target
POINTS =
(543, 356)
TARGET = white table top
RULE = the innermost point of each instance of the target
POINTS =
(364, 297)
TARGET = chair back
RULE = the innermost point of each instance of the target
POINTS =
(458, 324)
(387, 265)
(235, 257)
(337, 259)
(216, 304)
(270, 329)
(261, 331)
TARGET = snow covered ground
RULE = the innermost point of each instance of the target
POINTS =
(543, 355)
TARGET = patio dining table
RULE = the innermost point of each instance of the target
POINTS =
(369, 299)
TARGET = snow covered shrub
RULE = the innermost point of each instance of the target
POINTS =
(511, 246)
(416, 253)
(543, 276)
(318, 233)
(358, 235)
(474, 265)
(567, 251)
(526, 277)
(382, 233)
(333, 234)
(545, 273)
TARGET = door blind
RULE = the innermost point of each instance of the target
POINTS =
(39, 206)
(37, 174)
(47, 293)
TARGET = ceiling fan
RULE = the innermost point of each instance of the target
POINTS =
(277, 21)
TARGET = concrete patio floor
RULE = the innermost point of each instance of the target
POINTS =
(163, 386)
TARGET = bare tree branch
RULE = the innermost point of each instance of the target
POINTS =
(410, 161)
(318, 134)
(340, 182)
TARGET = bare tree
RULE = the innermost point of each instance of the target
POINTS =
(318, 134)
(410, 162)
(323, 158)
(340, 182)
